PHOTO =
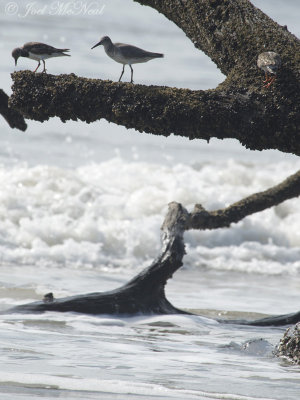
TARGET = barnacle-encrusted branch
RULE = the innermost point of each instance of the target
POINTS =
(254, 118)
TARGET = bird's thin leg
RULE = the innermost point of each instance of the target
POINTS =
(122, 72)
(271, 80)
(44, 70)
(37, 66)
(131, 81)
(267, 78)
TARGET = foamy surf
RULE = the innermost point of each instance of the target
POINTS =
(108, 215)
(112, 387)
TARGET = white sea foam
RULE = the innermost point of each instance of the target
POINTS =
(115, 387)
(109, 215)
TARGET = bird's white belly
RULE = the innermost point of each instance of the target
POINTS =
(268, 68)
(39, 57)
(118, 57)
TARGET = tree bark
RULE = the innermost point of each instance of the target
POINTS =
(232, 33)
(13, 117)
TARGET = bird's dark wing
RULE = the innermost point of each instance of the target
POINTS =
(42, 48)
(132, 51)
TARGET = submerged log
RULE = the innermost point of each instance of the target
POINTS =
(273, 320)
(144, 294)
(12, 116)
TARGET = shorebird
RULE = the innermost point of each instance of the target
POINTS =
(38, 51)
(126, 54)
(269, 62)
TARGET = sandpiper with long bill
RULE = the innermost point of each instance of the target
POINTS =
(126, 54)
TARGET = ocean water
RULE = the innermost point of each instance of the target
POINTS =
(81, 208)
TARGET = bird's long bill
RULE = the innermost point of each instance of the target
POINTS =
(98, 44)
(16, 61)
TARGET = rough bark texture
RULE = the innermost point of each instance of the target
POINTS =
(232, 33)
(289, 345)
(13, 117)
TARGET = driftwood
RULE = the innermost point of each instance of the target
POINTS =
(12, 116)
(145, 293)
(232, 33)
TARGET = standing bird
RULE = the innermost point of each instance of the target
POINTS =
(126, 54)
(38, 51)
(269, 62)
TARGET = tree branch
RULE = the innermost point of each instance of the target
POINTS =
(231, 32)
(13, 117)
(202, 219)
(249, 117)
